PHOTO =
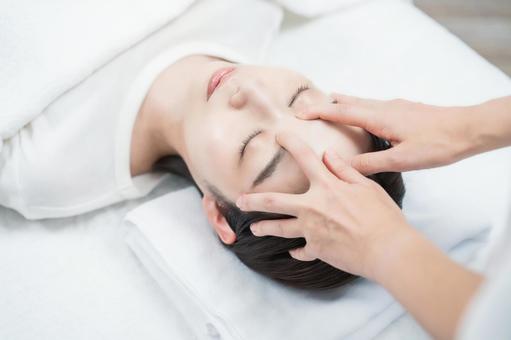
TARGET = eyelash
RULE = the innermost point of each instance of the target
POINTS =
(245, 141)
(300, 89)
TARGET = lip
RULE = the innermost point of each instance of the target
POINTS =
(218, 78)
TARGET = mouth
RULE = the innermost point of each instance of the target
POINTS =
(218, 78)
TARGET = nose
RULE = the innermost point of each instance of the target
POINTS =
(253, 97)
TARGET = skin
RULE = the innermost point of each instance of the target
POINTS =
(382, 246)
(178, 118)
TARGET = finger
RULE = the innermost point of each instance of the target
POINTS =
(342, 169)
(342, 98)
(379, 161)
(287, 228)
(301, 254)
(344, 113)
(306, 158)
(272, 202)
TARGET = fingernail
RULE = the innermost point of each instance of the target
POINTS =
(255, 229)
(239, 202)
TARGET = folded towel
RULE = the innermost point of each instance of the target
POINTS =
(46, 47)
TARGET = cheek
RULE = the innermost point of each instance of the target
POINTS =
(207, 152)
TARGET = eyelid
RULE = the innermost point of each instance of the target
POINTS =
(301, 88)
(247, 140)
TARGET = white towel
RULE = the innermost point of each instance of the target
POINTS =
(218, 294)
(47, 47)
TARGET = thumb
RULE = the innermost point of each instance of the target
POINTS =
(379, 161)
(340, 168)
(301, 254)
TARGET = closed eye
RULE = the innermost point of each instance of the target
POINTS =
(300, 90)
(246, 141)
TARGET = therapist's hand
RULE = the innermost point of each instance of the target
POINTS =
(422, 136)
(347, 220)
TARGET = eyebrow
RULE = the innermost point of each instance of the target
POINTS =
(270, 168)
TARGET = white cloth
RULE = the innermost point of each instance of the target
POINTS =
(47, 47)
(487, 315)
(312, 8)
(74, 157)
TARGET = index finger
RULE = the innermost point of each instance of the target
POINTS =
(306, 158)
(271, 202)
(353, 113)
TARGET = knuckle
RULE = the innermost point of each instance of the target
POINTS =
(315, 248)
(383, 130)
(364, 163)
(279, 228)
(393, 159)
(313, 209)
(268, 201)
(371, 122)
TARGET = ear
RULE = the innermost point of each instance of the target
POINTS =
(217, 220)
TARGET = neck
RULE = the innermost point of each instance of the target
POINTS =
(157, 130)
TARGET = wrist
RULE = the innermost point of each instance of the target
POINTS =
(467, 138)
(489, 125)
(387, 255)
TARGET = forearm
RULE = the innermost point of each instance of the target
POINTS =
(432, 287)
(490, 125)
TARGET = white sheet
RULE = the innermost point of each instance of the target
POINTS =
(74, 278)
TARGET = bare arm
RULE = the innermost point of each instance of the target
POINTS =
(433, 288)
(491, 125)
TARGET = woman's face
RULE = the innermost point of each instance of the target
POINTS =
(229, 131)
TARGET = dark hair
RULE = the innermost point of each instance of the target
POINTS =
(269, 255)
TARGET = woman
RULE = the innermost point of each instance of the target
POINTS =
(382, 246)
(222, 120)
